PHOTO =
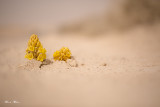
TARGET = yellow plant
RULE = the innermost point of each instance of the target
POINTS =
(62, 55)
(35, 49)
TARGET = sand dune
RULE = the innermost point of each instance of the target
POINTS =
(117, 70)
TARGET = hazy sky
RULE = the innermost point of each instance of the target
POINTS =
(47, 11)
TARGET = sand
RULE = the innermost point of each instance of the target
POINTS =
(114, 70)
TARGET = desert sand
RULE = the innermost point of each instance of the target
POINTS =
(120, 69)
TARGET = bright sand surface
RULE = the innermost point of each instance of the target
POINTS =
(115, 70)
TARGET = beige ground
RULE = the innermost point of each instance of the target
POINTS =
(117, 70)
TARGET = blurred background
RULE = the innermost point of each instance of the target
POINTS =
(88, 17)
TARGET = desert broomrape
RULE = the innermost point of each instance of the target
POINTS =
(62, 55)
(35, 49)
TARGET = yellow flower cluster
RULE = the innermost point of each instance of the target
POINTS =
(35, 50)
(62, 55)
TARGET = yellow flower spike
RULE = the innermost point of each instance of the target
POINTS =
(29, 56)
(35, 41)
(56, 55)
(33, 36)
(27, 50)
(62, 55)
(41, 50)
(33, 44)
(38, 44)
(31, 48)
(44, 56)
(41, 57)
(35, 50)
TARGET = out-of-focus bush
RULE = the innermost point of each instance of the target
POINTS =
(123, 15)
